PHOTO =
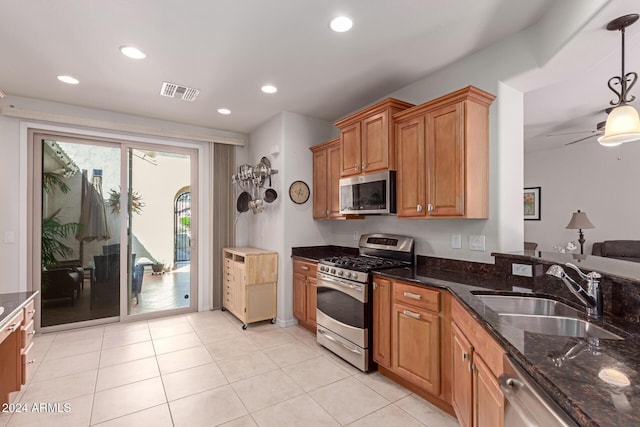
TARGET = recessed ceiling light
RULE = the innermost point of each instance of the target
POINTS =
(224, 111)
(132, 52)
(341, 24)
(68, 79)
(269, 89)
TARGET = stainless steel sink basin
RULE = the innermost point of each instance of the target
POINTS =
(557, 325)
(527, 305)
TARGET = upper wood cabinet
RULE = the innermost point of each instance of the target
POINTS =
(443, 156)
(326, 177)
(367, 138)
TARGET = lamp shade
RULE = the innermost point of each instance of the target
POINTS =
(623, 125)
(579, 220)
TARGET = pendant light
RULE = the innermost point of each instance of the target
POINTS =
(623, 122)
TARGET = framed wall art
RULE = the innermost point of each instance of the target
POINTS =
(532, 203)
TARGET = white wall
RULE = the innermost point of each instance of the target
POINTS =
(570, 180)
(284, 224)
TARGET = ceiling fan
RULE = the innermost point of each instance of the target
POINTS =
(599, 130)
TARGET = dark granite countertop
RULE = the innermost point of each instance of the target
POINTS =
(12, 303)
(573, 381)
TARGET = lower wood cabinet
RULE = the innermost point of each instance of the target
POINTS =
(477, 363)
(305, 293)
(16, 355)
(412, 338)
(382, 321)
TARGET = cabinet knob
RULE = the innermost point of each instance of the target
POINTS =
(31, 312)
(12, 327)
(430, 207)
(31, 333)
(326, 213)
(304, 267)
(364, 165)
(375, 286)
(355, 166)
(419, 208)
(32, 361)
(465, 355)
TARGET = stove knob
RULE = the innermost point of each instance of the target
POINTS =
(340, 273)
(348, 275)
(333, 271)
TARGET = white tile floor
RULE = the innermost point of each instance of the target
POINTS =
(202, 369)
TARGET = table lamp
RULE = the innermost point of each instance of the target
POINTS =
(579, 221)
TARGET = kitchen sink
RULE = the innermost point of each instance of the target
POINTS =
(557, 325)
(511, 304)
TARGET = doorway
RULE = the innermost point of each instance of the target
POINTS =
(103, 254)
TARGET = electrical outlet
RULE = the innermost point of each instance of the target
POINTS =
(456, 241)
(9, 237)
(522, 270)
(476, 243)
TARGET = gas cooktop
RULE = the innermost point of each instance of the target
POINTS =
(362, 263)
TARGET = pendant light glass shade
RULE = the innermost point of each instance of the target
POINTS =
(623, 125)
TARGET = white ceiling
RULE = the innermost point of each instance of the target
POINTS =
(229, 48)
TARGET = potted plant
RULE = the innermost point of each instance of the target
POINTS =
(157, 268)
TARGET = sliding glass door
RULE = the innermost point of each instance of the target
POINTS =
(105, 253)
(162, 230)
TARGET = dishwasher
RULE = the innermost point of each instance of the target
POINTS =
(526, 404)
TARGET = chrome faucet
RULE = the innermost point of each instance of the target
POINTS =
(592, 297)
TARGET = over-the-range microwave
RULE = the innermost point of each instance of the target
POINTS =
(371, 194)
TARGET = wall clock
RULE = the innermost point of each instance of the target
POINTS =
(299, 192)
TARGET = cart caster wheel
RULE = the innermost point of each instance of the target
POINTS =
(244, 327)
(223, 309)
(273, 321)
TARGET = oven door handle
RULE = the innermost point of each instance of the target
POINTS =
(330, 281)
(330, 338)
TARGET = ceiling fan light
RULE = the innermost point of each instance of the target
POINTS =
(623, 125)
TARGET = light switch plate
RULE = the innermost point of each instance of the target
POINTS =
(477, 243)
(9, 237)
(456, 241)
(522, 270)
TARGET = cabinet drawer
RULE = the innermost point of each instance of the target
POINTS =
(305, 268)
(28, 331)
(12, 325)
(418, 296)
(29, 311)
(28, 363)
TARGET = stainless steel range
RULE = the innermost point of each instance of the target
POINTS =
(344, 314)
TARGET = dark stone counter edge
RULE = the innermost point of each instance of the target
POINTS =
(14, 302)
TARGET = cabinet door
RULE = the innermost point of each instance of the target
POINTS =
(416, 346)
(300, 297)
(312, 301)
(333, 183)
(350, 140)
(382, 321)
(411, 177)
(462, 398)
(320, 189)
(375, 143)
(446, 157)
(489, 400)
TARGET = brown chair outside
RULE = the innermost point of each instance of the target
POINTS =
(61, 283)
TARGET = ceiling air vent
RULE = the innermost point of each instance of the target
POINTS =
(173, 90)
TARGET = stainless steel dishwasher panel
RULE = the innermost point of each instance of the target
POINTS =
(526, 405)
